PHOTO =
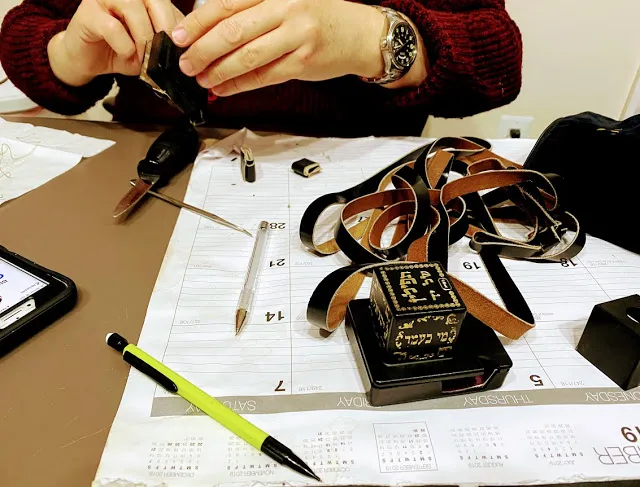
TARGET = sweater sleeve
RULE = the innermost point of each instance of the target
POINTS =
(474, 52)
(25, 34)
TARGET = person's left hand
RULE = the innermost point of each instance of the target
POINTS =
(241, 45)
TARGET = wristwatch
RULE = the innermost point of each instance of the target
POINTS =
(399, 47)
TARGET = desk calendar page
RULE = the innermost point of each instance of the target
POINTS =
(556, 418)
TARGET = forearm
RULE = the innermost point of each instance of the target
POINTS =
(62, 63)
(469, 59)
(24, 39)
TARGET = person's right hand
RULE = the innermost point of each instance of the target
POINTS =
(108, 36)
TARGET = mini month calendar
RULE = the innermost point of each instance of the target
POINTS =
(475, 443)
(181, 455)
(555, 442)
(330, 450)
(404, 447)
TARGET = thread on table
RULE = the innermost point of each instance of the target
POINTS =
(7, 165)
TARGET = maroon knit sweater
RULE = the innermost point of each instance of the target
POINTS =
(475, 61)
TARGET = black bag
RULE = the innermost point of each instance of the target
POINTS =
(598, 160)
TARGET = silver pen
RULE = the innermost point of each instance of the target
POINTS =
(255, 263)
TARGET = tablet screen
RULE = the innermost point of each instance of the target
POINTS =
(16, 284)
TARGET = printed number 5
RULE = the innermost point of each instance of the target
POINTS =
(537, 381)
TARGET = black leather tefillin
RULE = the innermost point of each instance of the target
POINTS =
(161, 71)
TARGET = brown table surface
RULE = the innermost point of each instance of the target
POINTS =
(61, 389)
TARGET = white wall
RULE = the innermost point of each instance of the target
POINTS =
(578, 55)
(5, 5)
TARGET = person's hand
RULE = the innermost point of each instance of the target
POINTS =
(240, 45)
(108, 36)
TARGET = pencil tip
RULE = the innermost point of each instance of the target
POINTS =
(304, 469)
(241, 316)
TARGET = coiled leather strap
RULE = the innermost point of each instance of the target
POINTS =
(431, 211)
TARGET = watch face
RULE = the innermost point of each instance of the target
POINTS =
(405, 49)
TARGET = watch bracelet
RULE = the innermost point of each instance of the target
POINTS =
(390, 74)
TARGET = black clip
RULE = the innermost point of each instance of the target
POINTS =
(161, 71)
(305, 168)
(247, 164)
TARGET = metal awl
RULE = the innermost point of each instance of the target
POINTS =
(186, 206)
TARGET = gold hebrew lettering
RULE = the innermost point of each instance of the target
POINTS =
(426, 278)
(443, 336)
(452, 334)
(406, 279)
(452, 320)
(406, 326)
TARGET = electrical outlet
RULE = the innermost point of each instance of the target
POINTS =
(511, 122)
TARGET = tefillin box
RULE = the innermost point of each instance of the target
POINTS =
(417, 311)
(413, 339)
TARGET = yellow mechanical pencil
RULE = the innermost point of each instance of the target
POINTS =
(235, 423)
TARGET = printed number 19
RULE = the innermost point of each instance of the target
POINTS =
(629, 433)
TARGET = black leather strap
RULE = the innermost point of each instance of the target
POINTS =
(436, 212)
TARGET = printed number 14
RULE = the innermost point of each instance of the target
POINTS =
(271, 316)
